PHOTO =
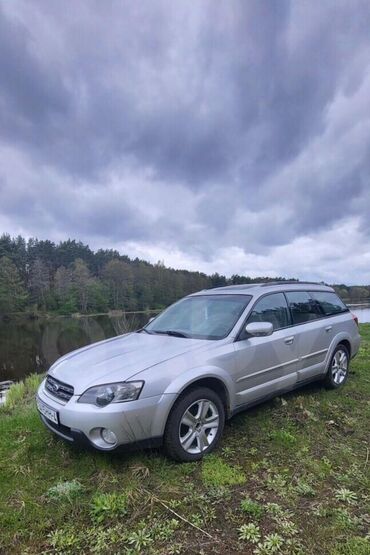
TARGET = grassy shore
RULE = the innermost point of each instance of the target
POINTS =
(290, 476)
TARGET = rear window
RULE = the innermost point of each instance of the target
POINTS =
(330, 303)
(303, 307)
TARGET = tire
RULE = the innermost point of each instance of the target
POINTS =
(338, 370)
(195, 425)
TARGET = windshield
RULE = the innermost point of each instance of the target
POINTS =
(201, 317)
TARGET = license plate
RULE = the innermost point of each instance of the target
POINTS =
(47, 411)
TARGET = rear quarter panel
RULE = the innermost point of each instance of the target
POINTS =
(344, 329)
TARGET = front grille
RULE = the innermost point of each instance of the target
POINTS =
(59, 389)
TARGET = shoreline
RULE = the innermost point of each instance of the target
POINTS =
(49, 315)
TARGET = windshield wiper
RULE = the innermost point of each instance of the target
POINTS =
(174, 333)
(144, 329)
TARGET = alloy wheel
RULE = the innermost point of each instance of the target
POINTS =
(339, 367)
(198, 426)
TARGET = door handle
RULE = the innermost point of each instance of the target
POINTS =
(289, 340)
(328, 328)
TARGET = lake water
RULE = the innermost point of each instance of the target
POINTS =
(28, 346)
(362, 312)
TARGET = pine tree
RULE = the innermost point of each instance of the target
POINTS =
(118, 276)
(39, 282)
(81, 279)
(13, 295)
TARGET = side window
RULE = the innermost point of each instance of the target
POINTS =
(272, 308)
(303, 307)
(330, 303)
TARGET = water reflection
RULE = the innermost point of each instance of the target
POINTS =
(28, 346)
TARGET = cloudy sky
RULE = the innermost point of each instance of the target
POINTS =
(229, 136)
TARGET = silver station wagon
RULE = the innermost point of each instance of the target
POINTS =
(208, 356)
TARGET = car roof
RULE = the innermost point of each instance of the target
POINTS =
(266, 287)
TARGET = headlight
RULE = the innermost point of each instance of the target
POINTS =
(102, 395)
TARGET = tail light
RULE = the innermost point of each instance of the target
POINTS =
(355, 319)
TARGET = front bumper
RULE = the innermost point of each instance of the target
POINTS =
(137, 423)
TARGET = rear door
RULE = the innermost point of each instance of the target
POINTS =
(333, 309)
(313, 333)
(266, 365)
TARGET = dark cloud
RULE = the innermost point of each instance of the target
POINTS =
(32, 96)
(203, 125)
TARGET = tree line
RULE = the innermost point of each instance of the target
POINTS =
(65, 278)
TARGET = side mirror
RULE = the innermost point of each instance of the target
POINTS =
(259, 329)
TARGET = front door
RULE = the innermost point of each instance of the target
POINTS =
(266, 365)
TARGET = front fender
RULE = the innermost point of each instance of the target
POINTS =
(193, 375)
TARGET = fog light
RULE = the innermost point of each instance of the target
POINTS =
(108, 436)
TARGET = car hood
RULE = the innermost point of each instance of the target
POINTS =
(119, 359)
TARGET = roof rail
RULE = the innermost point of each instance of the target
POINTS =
(292, 282)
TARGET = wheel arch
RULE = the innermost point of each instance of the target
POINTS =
(346, 344)
(222, 385)
(216, 384)
(340, 339)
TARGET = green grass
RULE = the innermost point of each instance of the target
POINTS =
(15, 394)
(107, 506)
(291, 476)
(251, 508)
(22, 393)
(216, 472)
